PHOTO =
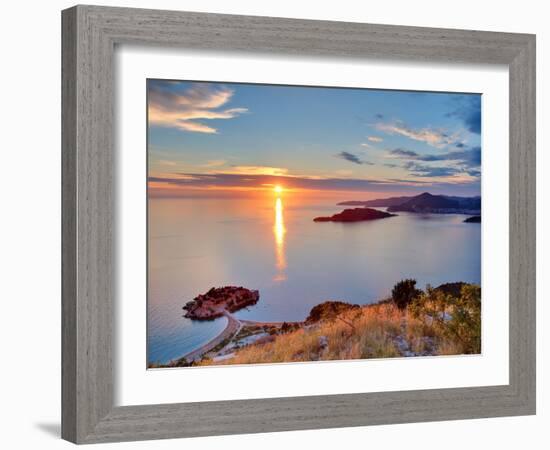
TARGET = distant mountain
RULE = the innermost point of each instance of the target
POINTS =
(392, 201)
(425, 203)
(355, 215)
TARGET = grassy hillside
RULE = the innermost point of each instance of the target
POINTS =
(441, 321)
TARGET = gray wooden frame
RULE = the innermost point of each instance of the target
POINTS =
(90, 34)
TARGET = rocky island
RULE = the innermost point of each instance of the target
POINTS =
(218, 301)
(474, 219)
(355, 215)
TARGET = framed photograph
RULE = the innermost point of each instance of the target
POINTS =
(277, 224)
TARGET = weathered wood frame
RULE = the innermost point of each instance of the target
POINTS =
(90, 34)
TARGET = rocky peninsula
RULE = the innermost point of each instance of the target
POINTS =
(355, 215)
(217, 302)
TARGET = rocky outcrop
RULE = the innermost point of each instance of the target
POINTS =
(355, 215)
(217, 301)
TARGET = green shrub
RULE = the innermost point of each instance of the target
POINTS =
(404, 292)
(457, 318)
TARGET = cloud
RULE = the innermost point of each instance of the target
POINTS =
(468, 110)
(193, 127)
(423, 170)
(258, 170)
(215, 163)
(255, 180)
(469, 157)
(187, 184)
(175, 105)
(399, 152)
(352, 158)
(456, 162)
(375, 139)
(431, 136)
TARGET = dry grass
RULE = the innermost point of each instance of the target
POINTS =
(373, 331)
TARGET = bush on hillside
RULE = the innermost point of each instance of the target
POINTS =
(404, 292)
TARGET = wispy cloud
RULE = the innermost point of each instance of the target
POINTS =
(401, 153)
(258, 170)
(171, 106)
(184, 184)
(375, 139)
(466, 162)
(351, 157)
(469, 157)
(423, 170)
(435, 137)
(215, 163)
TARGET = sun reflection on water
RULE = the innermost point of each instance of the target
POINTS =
(279, 232)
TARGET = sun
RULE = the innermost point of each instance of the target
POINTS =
(278, 189)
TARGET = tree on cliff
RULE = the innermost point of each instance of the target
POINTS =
(404, 292)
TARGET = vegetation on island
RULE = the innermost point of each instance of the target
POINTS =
(218, 301)
(355, 215)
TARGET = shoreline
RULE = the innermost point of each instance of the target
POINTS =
(231, 330)
(412, 329)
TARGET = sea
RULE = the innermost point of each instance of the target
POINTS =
(271, 243)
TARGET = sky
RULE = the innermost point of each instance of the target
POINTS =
(230, 139)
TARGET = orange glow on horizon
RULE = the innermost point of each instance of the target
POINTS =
(278, 189)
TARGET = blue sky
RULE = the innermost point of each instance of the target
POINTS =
(228, 136)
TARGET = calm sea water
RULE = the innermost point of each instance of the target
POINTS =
(273, 245)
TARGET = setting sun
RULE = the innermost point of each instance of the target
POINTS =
(278, 189)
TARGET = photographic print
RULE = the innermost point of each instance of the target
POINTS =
(298, 224)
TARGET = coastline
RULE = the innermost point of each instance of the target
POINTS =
(232, 328)
(225, 337)
(444, 320)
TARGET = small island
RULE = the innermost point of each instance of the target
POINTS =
(474, 219)
(355, 215)
(217, 302)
